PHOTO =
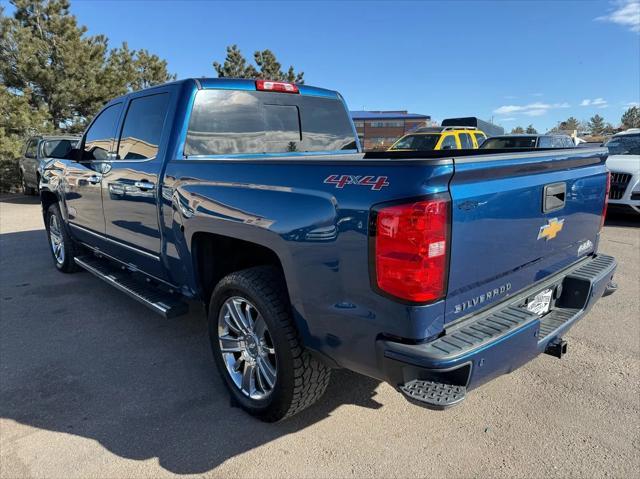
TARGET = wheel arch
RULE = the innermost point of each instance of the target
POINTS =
(215, 256)
(47, 198)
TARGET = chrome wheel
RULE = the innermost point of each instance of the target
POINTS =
(247, 348)
(56, 239)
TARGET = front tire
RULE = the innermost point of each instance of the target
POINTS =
(257, 348)
(62, 247)
(26, 189)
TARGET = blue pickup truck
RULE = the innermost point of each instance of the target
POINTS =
(433, 271)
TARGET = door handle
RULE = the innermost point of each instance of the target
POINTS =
(144, 185)
(94, 179)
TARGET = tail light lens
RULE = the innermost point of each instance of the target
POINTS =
(279, 86)
(410, 249)
(606, 200)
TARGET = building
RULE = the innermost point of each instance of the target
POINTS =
(378, 130)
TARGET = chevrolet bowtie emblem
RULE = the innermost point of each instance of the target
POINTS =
(551, 230)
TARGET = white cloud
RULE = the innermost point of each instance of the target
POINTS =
(626, 13)
(597, 102)
(631, 104)
(532, 109)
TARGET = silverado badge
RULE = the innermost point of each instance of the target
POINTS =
(551, 229)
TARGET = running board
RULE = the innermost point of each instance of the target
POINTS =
(162, 302)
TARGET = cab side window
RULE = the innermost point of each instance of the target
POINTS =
(32, 149)
(465, 141)
(480, 139)
(449, 143)
(545, 142)
(99, 138)
(142, 129)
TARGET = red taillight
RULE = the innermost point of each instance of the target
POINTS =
(606, 199)
(280, 86)
(411, 249)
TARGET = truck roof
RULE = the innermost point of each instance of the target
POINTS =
(204, 83)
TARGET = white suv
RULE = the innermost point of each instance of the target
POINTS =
(624, 164)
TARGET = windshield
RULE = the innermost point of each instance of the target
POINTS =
(624, 145)
(506, 142)
(416, 142)
(58, 148)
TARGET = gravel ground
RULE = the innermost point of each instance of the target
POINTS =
(92, 384)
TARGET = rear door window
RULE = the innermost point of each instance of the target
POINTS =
(449, 143)
(227, 122)
(465, 141)
(480, 139)
(142, 129)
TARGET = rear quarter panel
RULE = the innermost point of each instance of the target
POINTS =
(319, 232)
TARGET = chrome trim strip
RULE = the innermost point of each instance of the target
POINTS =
(103, 237)
(558, 152)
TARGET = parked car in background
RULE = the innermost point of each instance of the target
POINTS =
(440, 138)
(508, 142)
(624, 165)
(39, 149)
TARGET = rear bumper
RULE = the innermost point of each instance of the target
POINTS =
(501, 339)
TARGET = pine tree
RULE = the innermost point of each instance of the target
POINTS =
(570, 124)
(268, 68)
(55, 77)
(631, 118)
(596, 125)
(531, 130)
(45, 51)
(517, 130)
(235, 65)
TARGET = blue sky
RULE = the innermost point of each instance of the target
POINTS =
(519, 61)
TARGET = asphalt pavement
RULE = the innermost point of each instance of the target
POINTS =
(92, 384)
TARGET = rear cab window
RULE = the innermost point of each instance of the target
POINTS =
(480, 139)
(237, 122)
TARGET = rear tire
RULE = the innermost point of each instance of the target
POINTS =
(62, 247)
(293, 378)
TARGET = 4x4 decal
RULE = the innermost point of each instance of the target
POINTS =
(376, 183)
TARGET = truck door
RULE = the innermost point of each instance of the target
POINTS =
(30, 162)
(130, 188)
(83, 178)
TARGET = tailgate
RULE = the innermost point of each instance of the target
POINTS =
(517, 218)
